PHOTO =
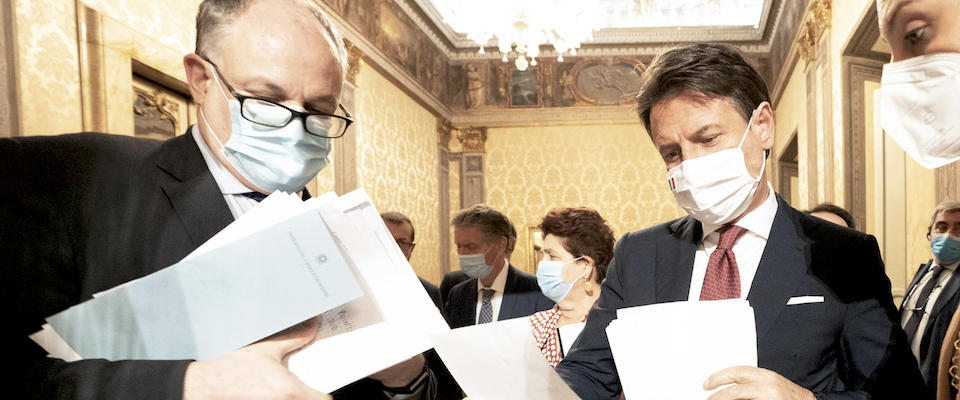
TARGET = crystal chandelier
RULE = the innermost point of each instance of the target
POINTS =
(523, 25)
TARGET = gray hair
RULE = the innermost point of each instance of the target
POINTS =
(491, 222)
(947, 206)
(216, 15)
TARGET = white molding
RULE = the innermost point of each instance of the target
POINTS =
(501, 118)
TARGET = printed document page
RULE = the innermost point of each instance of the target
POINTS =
(499, 360)
(390, 323)
(668, 350)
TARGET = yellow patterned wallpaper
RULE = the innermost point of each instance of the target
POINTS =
(48, 67)
(170, 22)
(611, 168)
(49, 60)
(397, 162)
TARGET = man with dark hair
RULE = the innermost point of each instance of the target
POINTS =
(833, 213)
(452, 278)
(495, 290)
(934, 294)
(404, 233)
(826, 324)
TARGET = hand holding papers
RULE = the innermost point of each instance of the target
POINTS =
(283, 262)
(498, 360)
(667, 351)
(220, 299)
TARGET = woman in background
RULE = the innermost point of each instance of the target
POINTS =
(577, 246)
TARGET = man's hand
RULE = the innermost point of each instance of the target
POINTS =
(401, 374)
(754, 383)
(257, 371)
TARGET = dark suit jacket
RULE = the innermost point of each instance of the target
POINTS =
(937, 325)
(521, 297)
(450, 279)
(848, 347)
(83, 213)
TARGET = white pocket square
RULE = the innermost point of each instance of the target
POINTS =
(804, 300)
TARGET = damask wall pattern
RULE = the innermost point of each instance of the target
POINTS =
(49, 60)
(48, 70)
(170, 22)
(397, 162)
(612, 168)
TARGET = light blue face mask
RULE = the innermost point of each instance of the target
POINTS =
(272, 159)
(550, 279)
(945, 248)
(475, 265)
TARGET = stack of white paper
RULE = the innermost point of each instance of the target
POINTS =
(499, 361)
(667, 351)
(281, 263)
(393, 321)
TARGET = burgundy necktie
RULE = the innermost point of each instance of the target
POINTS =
(722, 280)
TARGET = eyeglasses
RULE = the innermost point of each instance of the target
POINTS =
(268, 113)
(405, 244)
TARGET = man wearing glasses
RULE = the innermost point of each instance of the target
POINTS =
(83, 213)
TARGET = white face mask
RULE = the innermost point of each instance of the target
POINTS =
(917, 107)
(272, 159)
(716, 188)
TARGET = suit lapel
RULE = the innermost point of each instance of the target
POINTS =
(783, 264)
(916, 279)
(471, 303)
(675, 256)
(508, 302)
(946, 295)
(191, 189)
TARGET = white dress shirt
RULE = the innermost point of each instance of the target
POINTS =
(747, 250)
(498, 285)
(231, 187)
(911, 302)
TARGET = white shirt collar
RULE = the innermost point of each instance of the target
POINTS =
(951, 267)
(758, 221)
(500, 282)
(228, 183)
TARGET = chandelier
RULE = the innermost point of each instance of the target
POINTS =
(521, 26)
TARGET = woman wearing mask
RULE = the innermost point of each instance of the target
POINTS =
(577, 246)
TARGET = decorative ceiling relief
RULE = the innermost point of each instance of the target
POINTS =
(611, 81)
(410, 41)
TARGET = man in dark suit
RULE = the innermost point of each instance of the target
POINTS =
(496, 290)
(84, 213)
(934, 294)
(826, 324)
(452, 278)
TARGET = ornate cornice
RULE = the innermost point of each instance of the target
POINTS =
(816, 20)
(354, 55)
(444, 132)
(472, 139)
(458, 47)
